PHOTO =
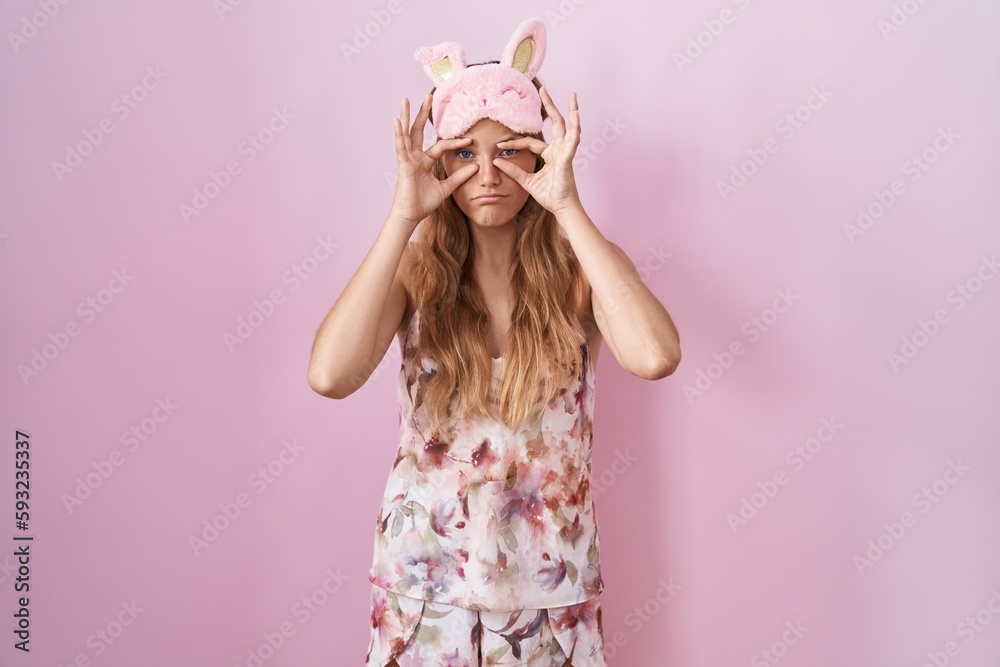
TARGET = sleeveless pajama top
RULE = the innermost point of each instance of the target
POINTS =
(492, 519)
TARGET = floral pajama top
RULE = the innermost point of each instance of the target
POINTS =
(494, 519)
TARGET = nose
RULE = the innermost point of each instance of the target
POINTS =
(488, 173)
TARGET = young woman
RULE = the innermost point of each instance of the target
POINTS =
(486, 547)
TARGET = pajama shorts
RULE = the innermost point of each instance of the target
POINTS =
(424, 633)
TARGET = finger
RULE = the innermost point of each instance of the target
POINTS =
(534, 145)
(400, 145)
(558, 123)
(512, 170)
(417, 131)
(451, 183)
(404, 119)
(442, 145)
(574, 106)
(572, 139)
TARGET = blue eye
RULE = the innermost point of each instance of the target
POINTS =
(505, 150)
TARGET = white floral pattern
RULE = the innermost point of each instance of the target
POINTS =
(487, 518)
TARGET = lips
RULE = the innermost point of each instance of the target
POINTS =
(494, 197)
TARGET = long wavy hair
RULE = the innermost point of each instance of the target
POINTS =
(547, 291)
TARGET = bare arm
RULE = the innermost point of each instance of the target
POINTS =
(636, 326)
(356, 333)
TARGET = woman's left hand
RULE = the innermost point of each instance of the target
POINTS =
(553, 186)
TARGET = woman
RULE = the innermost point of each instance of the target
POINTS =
(486, 548)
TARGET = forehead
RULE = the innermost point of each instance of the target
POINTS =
(488, 130)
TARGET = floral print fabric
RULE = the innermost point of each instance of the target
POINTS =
(486, 518)
(422, 633)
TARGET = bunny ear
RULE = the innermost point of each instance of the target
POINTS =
(441, 62)
(526, 49)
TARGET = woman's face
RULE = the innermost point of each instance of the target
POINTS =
(482, 150)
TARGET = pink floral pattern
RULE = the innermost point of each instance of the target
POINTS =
(486, 518)
(422, 633)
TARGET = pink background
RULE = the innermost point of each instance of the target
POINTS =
(683, 587)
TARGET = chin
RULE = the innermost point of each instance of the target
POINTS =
(494, 219)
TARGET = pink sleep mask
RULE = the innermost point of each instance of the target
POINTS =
(502, 91)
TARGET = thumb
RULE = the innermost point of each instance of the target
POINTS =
(512, 170)
(451, 183)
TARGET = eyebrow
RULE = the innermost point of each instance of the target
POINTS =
(507, 138)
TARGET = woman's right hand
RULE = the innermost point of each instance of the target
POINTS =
(418, 191)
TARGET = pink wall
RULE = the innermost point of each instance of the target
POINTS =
(810, 429)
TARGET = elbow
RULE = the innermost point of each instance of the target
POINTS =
(326, 386)
(665, 365)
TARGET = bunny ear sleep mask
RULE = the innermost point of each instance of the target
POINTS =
(502, 91)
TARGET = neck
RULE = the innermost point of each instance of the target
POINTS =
(494, 250)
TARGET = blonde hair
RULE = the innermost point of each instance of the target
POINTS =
(543, 343)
